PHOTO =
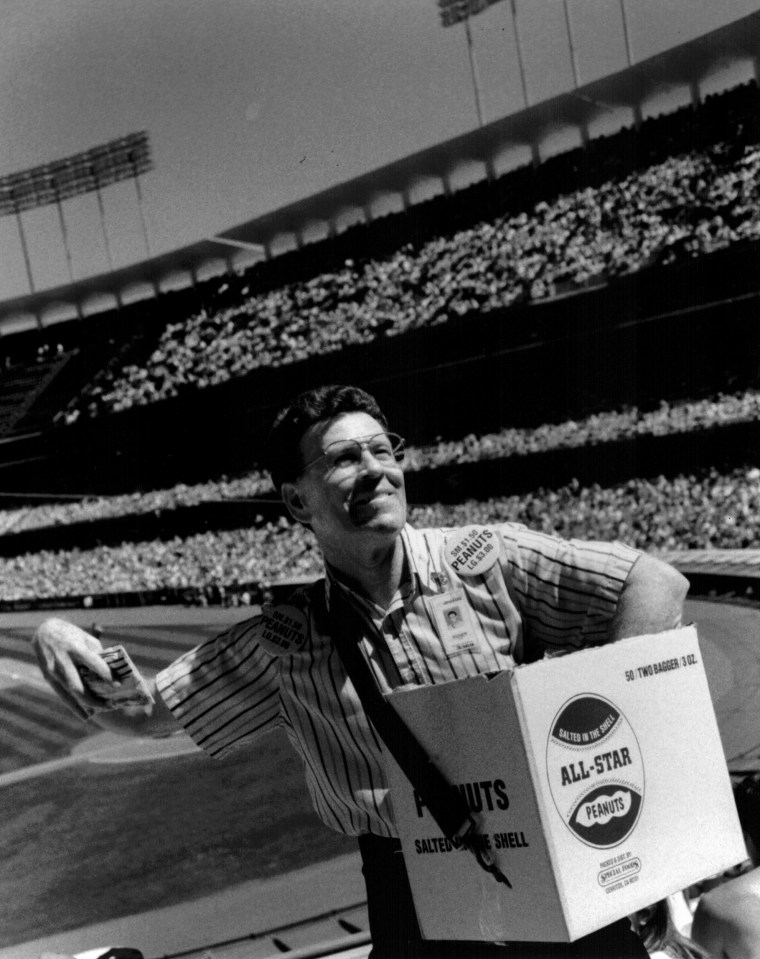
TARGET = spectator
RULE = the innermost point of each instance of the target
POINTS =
(727, 918)
(711, 509)
(668, 418)
(660, 935)
(684, 204)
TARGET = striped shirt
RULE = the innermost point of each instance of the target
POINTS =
(524, 595)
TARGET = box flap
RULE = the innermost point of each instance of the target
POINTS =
(455, 898)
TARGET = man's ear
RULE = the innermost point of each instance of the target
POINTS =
(293, 502)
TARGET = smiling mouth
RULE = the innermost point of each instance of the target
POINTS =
(362, 502)
(368, 500)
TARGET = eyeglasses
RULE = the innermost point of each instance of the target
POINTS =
(346, 455)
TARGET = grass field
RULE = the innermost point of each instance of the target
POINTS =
(92, 842)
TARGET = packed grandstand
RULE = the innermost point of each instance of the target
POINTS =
(682, 188)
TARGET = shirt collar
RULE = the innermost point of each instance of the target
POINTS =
(415, 556)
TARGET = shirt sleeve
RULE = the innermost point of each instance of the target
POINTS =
(566, 590)
(225, 692)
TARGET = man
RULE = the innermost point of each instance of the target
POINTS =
(339, 472)
(727, 918)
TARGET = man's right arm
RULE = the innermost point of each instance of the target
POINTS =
(62, 650)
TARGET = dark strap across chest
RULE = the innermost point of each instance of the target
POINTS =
(445, 803)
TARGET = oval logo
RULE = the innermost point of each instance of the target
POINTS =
(606, 815)
(595, 770)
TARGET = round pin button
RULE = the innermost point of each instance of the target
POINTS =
(472, 551)
(282, 630)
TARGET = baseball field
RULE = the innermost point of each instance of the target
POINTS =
(92, 840)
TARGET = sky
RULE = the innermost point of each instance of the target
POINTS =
(252, 104)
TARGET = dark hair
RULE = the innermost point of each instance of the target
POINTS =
(282, 455)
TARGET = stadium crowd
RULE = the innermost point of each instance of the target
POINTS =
(667, 419)
(690, 511)
(687, 204)
(682, 185)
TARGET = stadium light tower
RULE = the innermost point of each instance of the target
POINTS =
(86, 172)
(460, 11)
(520, 60)
(627, 35)
(571, 45)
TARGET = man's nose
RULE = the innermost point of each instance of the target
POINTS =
(370, 463)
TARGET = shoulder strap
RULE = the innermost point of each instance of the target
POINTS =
(446, 804)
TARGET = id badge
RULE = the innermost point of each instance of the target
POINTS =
(453, 618)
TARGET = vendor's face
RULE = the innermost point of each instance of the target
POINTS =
(356, 496)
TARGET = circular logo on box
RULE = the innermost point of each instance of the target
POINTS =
(595, 770)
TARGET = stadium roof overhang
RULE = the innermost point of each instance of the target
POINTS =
(686, 65)
(149, 276)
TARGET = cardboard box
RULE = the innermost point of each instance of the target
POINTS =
(598, 781)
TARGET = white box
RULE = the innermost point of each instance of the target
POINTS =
(598, 778)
